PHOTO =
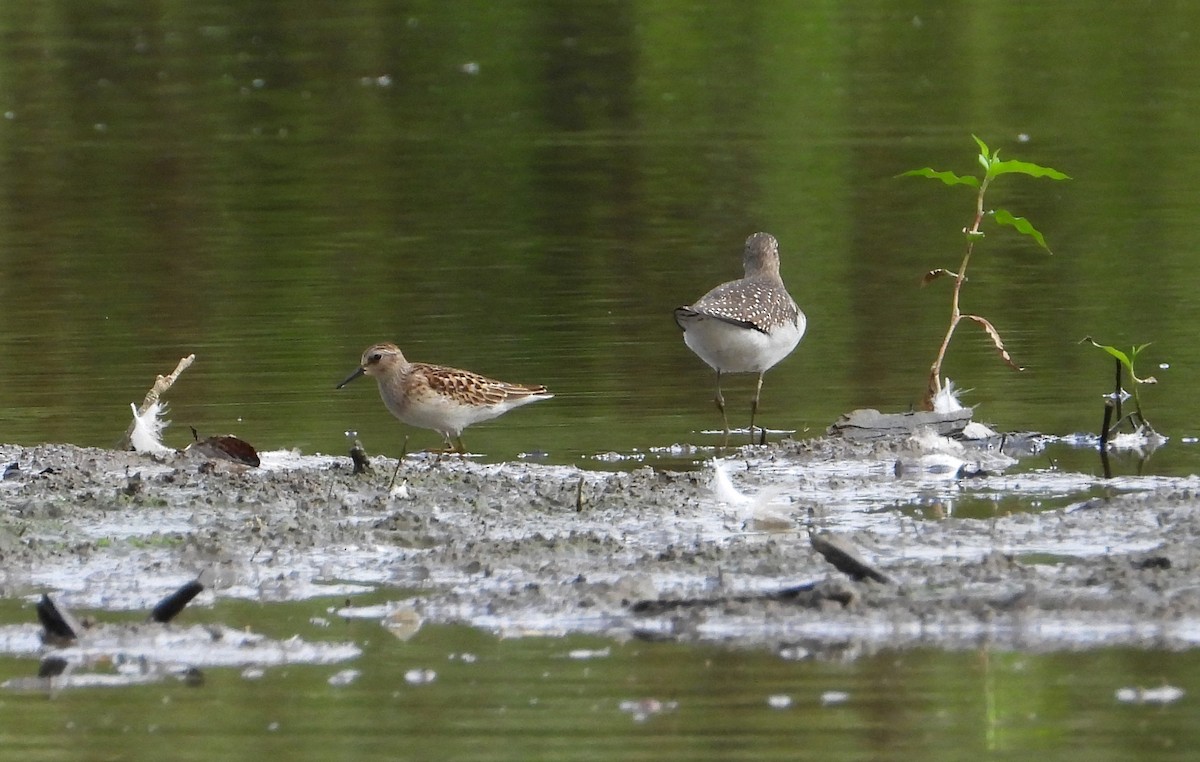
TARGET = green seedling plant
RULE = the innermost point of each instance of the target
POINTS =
(993, 167)
(1125, 361)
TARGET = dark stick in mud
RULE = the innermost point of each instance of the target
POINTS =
(358, 456)
(58, 623)
(1108, 411)
(168, 608)
(403, 454)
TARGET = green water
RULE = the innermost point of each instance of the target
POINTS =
(527, 189)
(537, 698)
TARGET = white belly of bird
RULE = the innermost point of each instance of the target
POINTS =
(448, 417)
(731, 348)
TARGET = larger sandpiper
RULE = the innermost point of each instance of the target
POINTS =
(436, 397)
(746, 325)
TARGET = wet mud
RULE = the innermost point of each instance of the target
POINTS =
(722, 553)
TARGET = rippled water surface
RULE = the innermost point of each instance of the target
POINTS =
(454, 693)
(527, 190)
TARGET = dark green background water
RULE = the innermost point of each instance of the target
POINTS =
(527, 190)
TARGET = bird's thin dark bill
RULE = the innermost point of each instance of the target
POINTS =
(351, 377)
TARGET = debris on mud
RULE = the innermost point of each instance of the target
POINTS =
(359, 458)
(168, 608)
(143, 432)
(1049, 560)
(867, 423)
(79, 653)
(845, 558)
(59, 625)
(227, 447)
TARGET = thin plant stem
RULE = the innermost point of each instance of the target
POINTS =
(972, 233)
(1117, 390)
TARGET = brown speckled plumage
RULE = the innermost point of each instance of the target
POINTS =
(438, 397)
(466, 387)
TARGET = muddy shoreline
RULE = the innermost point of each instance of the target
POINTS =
(522, 548)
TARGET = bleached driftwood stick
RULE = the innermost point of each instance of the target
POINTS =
(161, 385)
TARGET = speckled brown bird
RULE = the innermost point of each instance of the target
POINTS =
(746, 325)
(436, 397)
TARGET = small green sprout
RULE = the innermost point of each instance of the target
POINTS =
(1125, 361)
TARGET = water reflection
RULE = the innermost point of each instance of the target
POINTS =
(528, 192)
(453, 693)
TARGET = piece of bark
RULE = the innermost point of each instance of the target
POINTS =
(838, 552)
(226, 447)
(807, 595)
(59, 625)
(868, 423)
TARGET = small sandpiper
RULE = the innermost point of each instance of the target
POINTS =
(746, 325)
(436, 397)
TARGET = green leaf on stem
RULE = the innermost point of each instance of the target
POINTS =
(1025, 168)
(984, 154)
(949, 178)
(1125, 359)
(1022, 225)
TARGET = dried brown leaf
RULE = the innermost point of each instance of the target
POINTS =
(933, 275)
(996, 340)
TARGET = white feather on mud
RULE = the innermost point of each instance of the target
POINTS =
(931, 455)
(765, 511)
(147, 429)
(400, 491)
(947, 401)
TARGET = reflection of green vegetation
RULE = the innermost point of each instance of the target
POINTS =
(231, 177)
(932, 705)
(236, 179)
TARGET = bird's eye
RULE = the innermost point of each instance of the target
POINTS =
(375, 358)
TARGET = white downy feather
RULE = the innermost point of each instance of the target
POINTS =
(763, 511)
(147, 429)
(946, 401)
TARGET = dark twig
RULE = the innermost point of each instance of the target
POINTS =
(168, 607)
(403, 455)
(1104, 430)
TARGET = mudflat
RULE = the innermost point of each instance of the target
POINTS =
(721, 553)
